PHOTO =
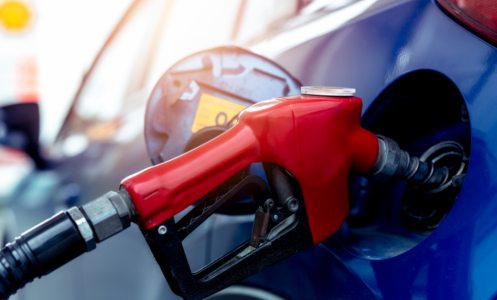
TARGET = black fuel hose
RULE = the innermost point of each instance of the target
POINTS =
(60, 239)
(39, 251)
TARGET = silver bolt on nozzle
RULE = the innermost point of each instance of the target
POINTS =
(293, 205)
(162, 230)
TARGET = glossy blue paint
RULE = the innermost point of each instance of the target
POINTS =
(369, 53)
(458, 260)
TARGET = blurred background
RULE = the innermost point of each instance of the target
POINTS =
(107, 56)
(74, 80)
(47, 46)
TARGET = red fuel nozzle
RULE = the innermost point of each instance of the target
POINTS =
(317, 138)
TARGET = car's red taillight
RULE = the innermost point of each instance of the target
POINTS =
(479, 15)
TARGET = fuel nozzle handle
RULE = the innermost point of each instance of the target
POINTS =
(395, 163)
(60, 239)
(318, 139)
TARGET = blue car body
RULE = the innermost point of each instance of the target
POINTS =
(380, 45)
(370, 53)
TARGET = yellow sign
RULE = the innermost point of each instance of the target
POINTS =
(214, 111)
(14, 15)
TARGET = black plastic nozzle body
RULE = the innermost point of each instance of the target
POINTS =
(39, 251)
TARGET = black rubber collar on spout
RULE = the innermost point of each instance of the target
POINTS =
(395, 163)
